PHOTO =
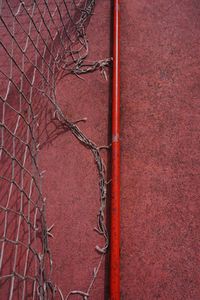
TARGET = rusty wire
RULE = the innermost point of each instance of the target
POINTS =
(41, 41)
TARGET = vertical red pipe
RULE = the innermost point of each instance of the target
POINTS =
(115, 199)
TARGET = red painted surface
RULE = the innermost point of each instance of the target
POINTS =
(160, 130)
(115, 196)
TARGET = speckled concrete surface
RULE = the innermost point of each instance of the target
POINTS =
(160, 120)
(160, 149)
(160, 156)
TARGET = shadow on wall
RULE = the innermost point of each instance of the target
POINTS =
(35, 39)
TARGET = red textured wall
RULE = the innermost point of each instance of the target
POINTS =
(160, 149)
(160, 161)
(160, 155)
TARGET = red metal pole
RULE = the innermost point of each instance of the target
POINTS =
(115, 198)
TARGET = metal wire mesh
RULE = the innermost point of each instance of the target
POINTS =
(41, 41)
